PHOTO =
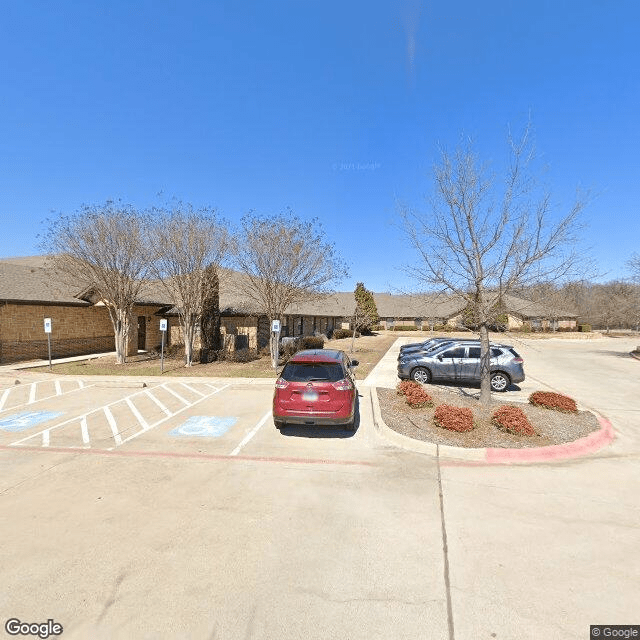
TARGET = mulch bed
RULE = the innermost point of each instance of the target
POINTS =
(552, 427)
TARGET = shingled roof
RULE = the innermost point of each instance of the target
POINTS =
(29, 280)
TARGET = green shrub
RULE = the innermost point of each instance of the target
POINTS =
(525, 328)
(513, 420)
(584, 328)
(376, 327)
(408, 327)
(453, 418)
(555, 401)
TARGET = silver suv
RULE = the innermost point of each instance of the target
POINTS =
(460, 361)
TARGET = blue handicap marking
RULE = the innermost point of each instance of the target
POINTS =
(205, 426)
(27, 419)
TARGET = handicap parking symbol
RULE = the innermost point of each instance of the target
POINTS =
(204, 426)
(26, 420)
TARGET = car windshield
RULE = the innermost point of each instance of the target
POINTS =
(312, 371)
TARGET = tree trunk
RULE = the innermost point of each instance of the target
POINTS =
(485, 372)
(188, 328)
(121, 325)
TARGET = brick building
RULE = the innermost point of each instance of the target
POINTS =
(29, 293)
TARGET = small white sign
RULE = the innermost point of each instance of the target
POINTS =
(275, 326)
(163, 325)
(47, 325)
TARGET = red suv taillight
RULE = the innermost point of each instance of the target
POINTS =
(518, 360)
(281, 383)
(342, 385)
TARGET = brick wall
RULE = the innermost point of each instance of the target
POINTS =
(241, 326)
(74, 331)
(25, 322)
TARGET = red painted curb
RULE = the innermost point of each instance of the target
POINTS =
(179, 454)
(582, 447)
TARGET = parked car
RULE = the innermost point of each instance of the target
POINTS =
(429, 344)
(316, 387)
(460, 361)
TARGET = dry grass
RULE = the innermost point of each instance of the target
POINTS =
(367, 350)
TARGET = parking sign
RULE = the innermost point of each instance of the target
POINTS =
(47, 325)
(163, 325)
(275, 326)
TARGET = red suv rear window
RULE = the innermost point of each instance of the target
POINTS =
(312, 371)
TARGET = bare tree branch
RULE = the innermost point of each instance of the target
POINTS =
(284, 260)
(480, 250)
(188, 245)
(103, 248)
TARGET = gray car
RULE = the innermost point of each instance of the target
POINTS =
(429, 345)
(459, 362)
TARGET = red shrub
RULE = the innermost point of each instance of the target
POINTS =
(513, 420)
(555, 401)
(453, 418)
(417, 397)
(405, 385)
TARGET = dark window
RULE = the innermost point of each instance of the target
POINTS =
(458, 352)
(474, 352)
(307, 371)
(514, 353)
(437, 345)
(496, 353)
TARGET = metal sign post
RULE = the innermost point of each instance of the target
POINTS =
(163, 329)
(47, 330)
(275, 336)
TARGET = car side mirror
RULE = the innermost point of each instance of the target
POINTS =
(440, 358)
(354, 363)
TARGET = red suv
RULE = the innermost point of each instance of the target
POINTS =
(316, 387)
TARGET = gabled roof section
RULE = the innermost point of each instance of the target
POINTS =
(28, 280)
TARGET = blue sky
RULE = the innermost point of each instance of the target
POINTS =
(333, 109)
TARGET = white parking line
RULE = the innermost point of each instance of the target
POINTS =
(114, 427)
(186, 386)
(85, 431)
(45, 434)
(32, 393)
(160, 405)
(172, 392)
(155, 424)
(251, 433)
(5, 395)
(137, 414)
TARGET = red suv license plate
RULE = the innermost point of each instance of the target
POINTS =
(310, 396)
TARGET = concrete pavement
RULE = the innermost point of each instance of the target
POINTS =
(315, 534)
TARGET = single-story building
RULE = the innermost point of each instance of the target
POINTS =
(30, 292)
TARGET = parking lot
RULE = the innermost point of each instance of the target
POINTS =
(177, 510)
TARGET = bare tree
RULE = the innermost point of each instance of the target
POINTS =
(633, 265)
(103, 248)
(284, 260)
(483, 239)
(188, 246)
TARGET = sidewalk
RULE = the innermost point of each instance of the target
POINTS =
(35, 364)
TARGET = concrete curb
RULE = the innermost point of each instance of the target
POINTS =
(581, 447)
